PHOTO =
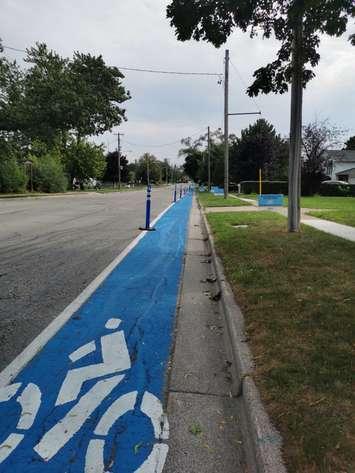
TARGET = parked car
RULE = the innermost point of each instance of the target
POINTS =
(92, 183)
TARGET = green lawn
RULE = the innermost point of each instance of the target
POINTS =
(319, 202)
(209, 200)
(345, 217)
(297, 295)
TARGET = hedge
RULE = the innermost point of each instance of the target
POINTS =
(268, 187)
(337, 190)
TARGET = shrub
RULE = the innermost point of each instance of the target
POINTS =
(337, 190)
(48, 175)
(12, 176)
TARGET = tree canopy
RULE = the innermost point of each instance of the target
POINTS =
(56, 97)
(258, 147)
(215, 20)
(350, 144)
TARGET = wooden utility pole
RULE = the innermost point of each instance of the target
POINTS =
(226, 118)
(209, 159)
(119, 158)
(294, 173)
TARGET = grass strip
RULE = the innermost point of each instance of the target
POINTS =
(207, 199)
(345, 217)
(297, 293)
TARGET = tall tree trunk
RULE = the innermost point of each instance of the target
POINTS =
(294, 175)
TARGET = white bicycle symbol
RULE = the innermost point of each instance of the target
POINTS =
(115, 358)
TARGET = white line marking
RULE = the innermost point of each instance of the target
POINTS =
(82, 351)
(13, 369)
(156, 460)
(120, 407)
(115, 358)
(112, 324)
(9, 445)
(94, 460)
(7, 392)
(65, 429)
(30, 401)
(151, 406)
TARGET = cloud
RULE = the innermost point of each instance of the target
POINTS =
(164, 109)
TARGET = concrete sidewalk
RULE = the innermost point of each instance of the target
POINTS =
(203, 414)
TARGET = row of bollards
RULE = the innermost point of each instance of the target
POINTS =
(183, 191)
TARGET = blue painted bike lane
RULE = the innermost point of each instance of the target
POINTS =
(90, 401)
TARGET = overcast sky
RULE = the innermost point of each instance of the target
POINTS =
(166, 108)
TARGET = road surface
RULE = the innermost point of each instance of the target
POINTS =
(51, 248)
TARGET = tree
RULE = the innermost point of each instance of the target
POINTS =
(317, 138)
(196, 163)
(111, 172)
(350, 144)
(57, 97)
(148, 169)
(297, 24)
(259, 147)
(98, 94)
(84, 160)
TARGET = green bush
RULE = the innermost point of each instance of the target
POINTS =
(12, 176)
(336, 190)
(48, 175)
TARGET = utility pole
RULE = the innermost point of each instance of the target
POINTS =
(226, 132)
(119, 157)
(294, 167)
(148, 171)
(209, 159)
(226, 123)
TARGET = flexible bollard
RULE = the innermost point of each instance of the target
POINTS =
(175, 193)
(147, 211)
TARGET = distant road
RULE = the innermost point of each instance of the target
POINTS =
(51, 248)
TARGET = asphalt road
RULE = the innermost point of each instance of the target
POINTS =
(51, 248)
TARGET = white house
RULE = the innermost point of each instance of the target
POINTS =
(341, 165)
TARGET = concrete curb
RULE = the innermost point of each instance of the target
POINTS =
(263, 443)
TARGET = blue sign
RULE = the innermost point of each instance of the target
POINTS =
(271, 200)
(91, 400)
(217, 190)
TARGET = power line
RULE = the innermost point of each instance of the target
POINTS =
(162, 144)
(141, 69)
(245, 85)
(14, 49)
(156, 71)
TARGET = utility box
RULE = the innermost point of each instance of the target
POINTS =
(271, 200)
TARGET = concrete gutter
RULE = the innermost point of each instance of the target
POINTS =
(262, 442)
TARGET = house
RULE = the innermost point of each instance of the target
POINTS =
(341, 165)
